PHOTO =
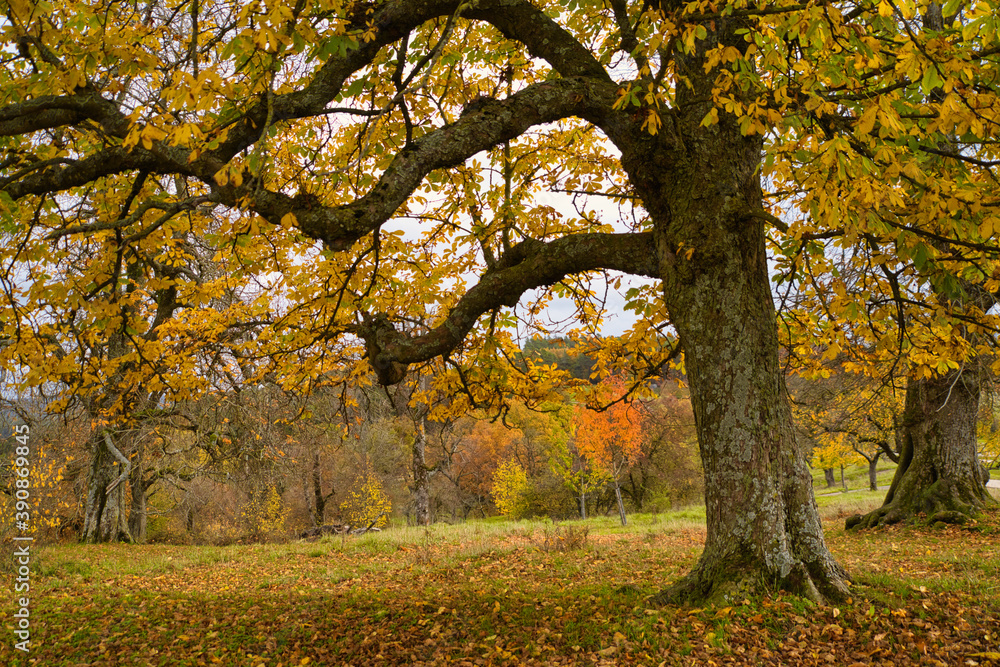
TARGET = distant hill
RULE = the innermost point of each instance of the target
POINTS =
(564, 353)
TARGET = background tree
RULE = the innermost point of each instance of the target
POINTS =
(610, 439)
(366, 504)
(989, 432)
(563, 354)
(510, 488)
(667, 472)
(919, 280)
(849, 415)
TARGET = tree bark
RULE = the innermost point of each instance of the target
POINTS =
(873, 473)
(139, 484)
(138, 513)
(939, 473)
(319, 499)
(105, 514)
(830, 476)
(763, 523)
(621, 504)
(421, 490)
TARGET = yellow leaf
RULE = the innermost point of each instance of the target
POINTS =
(288, 220)
(652, 123)
(75, 79)
(867, 121)
(711, 118)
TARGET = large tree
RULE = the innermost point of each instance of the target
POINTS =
(919, 302)
(333, 122)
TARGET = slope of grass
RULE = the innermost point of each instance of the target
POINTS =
(855, 477)
(490, 593)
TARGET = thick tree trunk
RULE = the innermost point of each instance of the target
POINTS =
(939, 474)
(421, 490)
(763, 523)
(830, 476)
(106, 511)
(138, 514)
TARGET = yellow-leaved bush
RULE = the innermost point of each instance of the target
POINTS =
(367, 502)
(510, 487)
(264, 514)
(51, 499)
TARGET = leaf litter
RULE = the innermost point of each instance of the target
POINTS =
(922, 596)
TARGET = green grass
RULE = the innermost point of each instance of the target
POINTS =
(855, 477)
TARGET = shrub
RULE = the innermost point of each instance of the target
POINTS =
(367, 502)
(510, 488)
(264, 514)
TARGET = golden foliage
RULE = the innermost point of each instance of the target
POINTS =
(50, 501)
(510, 484)
(264, 514)
(367, 502)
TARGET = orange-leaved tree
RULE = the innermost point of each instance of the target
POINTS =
(610, 437)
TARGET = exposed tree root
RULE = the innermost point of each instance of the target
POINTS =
(943, 501)
(823, 584)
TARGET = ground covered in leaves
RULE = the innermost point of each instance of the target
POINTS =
(504, 593)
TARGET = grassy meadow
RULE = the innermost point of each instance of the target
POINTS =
(495, 592)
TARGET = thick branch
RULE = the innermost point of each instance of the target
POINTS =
(59, 110)
(523, 22)
(121, 458)
(495, 122)
(516, 19)
(103, 163)
(529, 265)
